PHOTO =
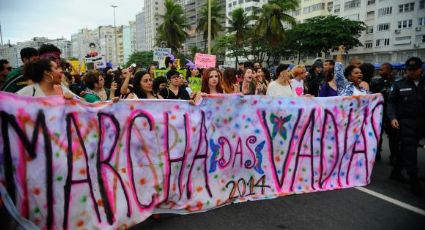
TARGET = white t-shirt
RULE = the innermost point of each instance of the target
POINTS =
(35, 91)
(357, 92)
(276, 89)
(297, 87)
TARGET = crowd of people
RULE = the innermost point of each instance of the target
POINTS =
(44, 73)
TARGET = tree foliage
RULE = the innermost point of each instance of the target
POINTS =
(217, 16)
(173, 28)
(323, 33)
(143, 58)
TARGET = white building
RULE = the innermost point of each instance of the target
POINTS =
(192, 10)
(248, 5)
(395, 29)
(104, 39)
(152, 9)
(140, 32)
(129, 40)
(11, 52)
(312, 8)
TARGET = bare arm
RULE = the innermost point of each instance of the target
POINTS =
(127, 75)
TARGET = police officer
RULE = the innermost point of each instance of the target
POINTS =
(406, 110)
(382, 84)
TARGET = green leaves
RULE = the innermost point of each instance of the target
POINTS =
(172, 30)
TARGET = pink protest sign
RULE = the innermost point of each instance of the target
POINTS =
(205, 60)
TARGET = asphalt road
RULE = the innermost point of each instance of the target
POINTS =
(340, 209)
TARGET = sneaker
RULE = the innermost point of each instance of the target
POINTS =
(397, 176)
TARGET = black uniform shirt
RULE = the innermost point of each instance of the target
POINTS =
(406, 100)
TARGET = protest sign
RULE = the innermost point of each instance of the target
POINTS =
(195, 84)
(69, 164)
(163, 72)
(159, 55)
(205, 60)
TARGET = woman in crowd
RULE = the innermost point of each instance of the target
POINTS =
(282, 85)
(229, 82)
(328, 88)
(350, 87)
(211, 81)
(159, 84)
(298, 83)
(47, 77)
(248, 86)
(174, 91)
(262, 77)
(368, 71)
(151, 70)
(143, 86)
(95, 90)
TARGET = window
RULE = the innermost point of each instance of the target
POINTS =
(370, 2)
(368, 44)
(421, 21)
(384, 27)
(405, 24)
(382, 42)
(403, 38)
(385, 11)
(315, 7)
(337, 8)
(422, 4)
(351, 4)
(354, 17)
(370, 14)
(408, 7)
(369, 30)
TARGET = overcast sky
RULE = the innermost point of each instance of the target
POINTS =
(21, 20)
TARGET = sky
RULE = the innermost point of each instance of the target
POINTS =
(21, 20)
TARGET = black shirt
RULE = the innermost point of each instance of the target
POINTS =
(407, 100)
(168, 94)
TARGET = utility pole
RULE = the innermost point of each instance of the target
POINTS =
(209, 26)
(1, 36)
(115, 35)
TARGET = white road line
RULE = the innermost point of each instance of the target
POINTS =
(393, 201)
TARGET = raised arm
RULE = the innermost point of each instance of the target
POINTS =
(127, 75)
(341, 81)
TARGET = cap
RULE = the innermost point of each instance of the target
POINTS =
(414, 63)
(171, 73)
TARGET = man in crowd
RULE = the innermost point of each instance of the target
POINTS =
(406, 112)
(5, 69)
(16, 79)
(382, 84)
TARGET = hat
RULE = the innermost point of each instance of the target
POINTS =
(413, 63)
(171, 73)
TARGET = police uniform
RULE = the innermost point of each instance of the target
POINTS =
(407, 104)
(383, 86)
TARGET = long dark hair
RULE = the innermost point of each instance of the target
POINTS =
(136, 85)
(35, 70)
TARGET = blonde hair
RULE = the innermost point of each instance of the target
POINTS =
(297, 70)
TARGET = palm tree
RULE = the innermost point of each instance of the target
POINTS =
(172, 30)
(217, 16)
(270, 24)
(239, 27)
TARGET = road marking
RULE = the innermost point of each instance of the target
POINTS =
(393, 201)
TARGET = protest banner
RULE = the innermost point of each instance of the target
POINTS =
(205, 60)
(69, 164)
(159, 55)
(77, 67)
(163, 72)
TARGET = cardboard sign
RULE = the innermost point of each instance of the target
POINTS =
(159, 55)
(205, 60)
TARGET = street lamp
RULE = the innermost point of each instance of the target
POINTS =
(115, 35)
(209, 26)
